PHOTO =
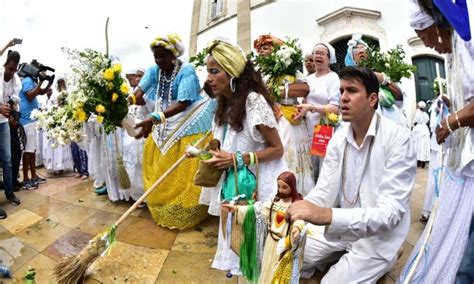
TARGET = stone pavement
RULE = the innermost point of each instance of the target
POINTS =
(59, 218)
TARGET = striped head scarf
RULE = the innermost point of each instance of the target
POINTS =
(171, 42)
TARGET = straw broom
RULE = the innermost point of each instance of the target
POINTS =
(122, 171)
(72, 270)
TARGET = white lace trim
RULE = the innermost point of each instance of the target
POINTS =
(259, 112)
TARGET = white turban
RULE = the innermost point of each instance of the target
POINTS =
(419, 19)
(332, 51)
(421, 104)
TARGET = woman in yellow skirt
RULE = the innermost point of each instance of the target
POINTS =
(178, 117)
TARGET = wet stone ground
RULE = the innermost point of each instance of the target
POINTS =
(61, 216)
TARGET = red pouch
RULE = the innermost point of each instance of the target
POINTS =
(321, 136)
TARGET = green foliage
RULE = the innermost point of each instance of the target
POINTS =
(199, 59)
(436, 84)
(391, 63)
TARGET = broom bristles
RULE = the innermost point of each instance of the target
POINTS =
(123, 175)
(72, 270)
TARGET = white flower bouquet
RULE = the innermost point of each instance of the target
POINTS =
(281, 65)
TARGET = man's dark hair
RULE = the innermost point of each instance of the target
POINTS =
(363, 75)
(13, 56)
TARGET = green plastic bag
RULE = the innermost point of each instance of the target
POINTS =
(239, 181)
(386, 97)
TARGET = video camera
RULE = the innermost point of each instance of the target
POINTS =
(34, 70)
(14, 100)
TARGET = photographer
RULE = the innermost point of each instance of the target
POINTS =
(11, 43)
(31, 87)
(10, 88)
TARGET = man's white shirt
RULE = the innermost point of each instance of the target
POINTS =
(381, 220)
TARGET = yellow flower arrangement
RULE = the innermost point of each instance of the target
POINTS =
(110, 86)
(99, 108)
(330, 119)
(333, 118)
(114, 97)
(124, 88)
(81, 115)
(109, 74)
(117, 68)
(102, 95)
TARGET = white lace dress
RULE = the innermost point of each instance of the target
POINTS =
(54, 157)
(450, 231)
(421, 136)
(132, 151)
(297, 142)
(258, 112)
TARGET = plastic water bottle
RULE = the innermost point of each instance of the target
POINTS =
(5, 272)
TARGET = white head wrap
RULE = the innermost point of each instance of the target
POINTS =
(419, 19)
(131, 71)
(332, 51)
(421, 104)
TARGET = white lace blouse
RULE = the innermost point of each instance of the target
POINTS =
(258, 112)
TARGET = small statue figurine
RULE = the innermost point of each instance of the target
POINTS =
(279, 234)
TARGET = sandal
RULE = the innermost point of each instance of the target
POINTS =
(84, 177)
(424, 219)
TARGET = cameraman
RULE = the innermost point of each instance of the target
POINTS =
(28, 102)
(10, 88)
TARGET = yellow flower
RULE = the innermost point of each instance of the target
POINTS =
(114, 97)
(117, 68)
(124, 88)
(332, 117)
(81, 115)
(109, 74)
(99, 108)
(99, 119)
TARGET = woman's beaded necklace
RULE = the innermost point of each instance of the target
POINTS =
(165, 88)
(164, 96)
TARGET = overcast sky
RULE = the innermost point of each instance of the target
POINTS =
(47, 25)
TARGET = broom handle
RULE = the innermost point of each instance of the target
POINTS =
(155, 185)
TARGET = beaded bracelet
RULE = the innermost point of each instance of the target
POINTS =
(457, 119)
(155, 117)
(252, 158)
(134, 99)
(386, 80)
(162, 116)
(448, 126)
(239, 159)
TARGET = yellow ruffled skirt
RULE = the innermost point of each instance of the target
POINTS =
(175, 203)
